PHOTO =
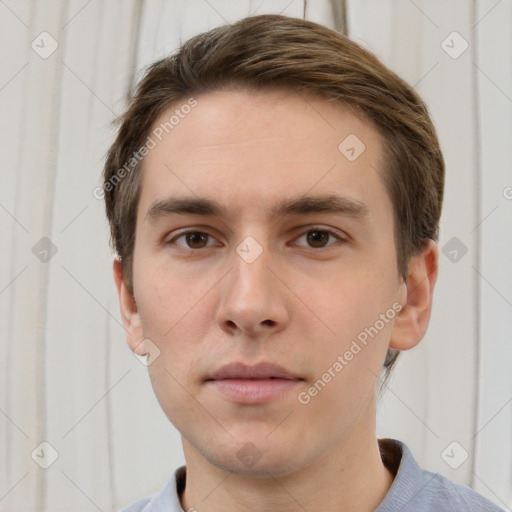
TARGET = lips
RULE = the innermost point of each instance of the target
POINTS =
(260, 371)
(252, 385)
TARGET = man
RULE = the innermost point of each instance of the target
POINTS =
(274, 195)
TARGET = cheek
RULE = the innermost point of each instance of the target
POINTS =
(163, 297)
(175, 312)
(356, 318)
(347, 303)
(346, 370)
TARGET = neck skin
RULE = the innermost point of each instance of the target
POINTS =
(349, 477)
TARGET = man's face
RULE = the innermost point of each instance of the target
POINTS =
(295, 289)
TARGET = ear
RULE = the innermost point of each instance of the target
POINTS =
(129, 312)
(412, 321)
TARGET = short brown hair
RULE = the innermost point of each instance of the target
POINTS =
(274, 51)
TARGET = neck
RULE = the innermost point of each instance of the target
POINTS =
(350, 477)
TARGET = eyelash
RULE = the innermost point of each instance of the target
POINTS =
(310, 230)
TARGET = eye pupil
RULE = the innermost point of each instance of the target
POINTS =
(317, 236)
(196, 238)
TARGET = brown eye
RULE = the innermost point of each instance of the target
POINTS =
(318, 238)
(192, 240)
(196, 240)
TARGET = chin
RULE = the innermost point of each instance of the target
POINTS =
(248, 460)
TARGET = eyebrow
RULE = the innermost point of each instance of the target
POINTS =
(333, 204)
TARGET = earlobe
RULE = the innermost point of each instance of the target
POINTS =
(412, 321)
(129, 312)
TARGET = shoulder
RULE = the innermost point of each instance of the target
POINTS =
(138, 506)
(442, 494)
(417, 490)
(166, 500)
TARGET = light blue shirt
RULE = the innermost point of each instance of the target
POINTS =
(413, 489)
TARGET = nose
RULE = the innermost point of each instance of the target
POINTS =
(253, 300)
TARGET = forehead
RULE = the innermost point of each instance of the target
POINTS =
(251, 150)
